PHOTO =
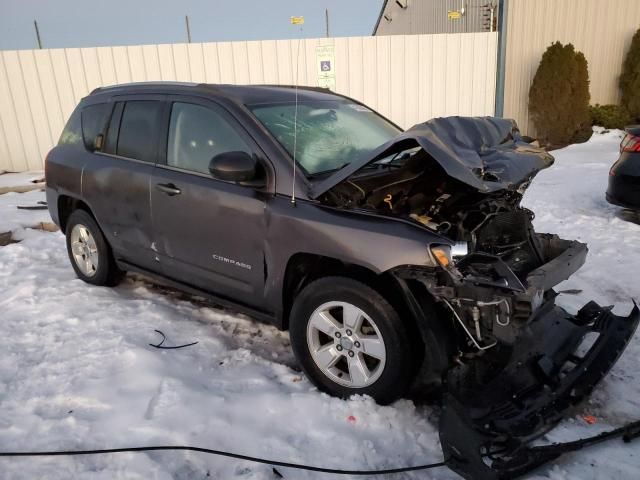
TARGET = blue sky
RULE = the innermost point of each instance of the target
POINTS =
(76, 23)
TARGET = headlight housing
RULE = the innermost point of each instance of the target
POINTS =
(442, 255)
(446, 255)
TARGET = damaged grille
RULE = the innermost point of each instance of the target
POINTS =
(509, 235)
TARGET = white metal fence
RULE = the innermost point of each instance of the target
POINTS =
(406, 78)
(601, 30)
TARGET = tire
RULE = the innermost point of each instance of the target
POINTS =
(84, 234)
(381, 365)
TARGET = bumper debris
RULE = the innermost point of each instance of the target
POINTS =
(486, 425)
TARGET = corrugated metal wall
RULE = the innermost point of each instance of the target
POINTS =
(431, 16)
(407, 78)
(602, 30)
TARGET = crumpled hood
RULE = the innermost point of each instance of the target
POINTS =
(487, 153)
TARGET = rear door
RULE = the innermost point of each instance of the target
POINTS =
(209, 233)
(116, 185)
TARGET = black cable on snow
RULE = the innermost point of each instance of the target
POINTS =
(628, 433)
(160, 346)
(221, 453)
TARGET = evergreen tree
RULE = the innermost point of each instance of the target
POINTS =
(559, 96)
(630, 79)
(581, 97)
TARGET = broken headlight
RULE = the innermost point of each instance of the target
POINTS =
(442, 255)
(446, 255)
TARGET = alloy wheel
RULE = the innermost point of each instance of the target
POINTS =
(85, 250)
(346, 344)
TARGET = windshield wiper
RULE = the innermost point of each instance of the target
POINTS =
(331, 170)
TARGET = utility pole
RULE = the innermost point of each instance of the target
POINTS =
(326, 21)
(35, 24)
(186, 21)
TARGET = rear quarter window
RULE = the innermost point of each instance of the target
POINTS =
(94, 121)
(72, 133)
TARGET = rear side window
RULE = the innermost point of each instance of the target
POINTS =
(138, 130)
(72, 133)
(111, 142)
(94, 121)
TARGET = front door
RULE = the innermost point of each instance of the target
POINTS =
(208, 233)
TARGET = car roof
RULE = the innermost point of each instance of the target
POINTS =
(243, 94)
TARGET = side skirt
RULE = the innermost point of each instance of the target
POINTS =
(215, 300)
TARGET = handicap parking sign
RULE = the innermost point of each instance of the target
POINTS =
(325, 63)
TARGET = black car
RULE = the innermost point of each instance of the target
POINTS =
(624, 176)
(398, 261)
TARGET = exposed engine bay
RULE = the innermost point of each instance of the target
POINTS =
(518, 360)
(412, 185)
(496, 246)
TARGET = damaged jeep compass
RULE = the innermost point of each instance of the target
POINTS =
(397, 260)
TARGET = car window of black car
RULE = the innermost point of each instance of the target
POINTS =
(138, 129)
(197, 134)
(94, 121)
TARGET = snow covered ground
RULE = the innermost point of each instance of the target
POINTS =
(21, 179)
(76, 370)
(12, 218)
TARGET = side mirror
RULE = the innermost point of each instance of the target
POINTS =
(237, 167)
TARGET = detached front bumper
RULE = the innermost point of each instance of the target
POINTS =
(523, 361)
(550, 370)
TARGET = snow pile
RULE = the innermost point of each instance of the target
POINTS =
(76, 370)
(12, 218)
(21, 179)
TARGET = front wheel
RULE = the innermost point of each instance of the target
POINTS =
(350, 340)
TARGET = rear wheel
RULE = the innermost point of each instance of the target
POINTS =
(349, 340)
(89, 252)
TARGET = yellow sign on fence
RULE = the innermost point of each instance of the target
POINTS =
(454, 15)
(297, 20)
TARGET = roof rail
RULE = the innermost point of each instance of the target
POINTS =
(141, 84)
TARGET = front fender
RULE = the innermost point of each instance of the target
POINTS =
(371, 241)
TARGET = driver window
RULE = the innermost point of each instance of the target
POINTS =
(197, 134)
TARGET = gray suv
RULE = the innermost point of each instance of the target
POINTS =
(400, 262)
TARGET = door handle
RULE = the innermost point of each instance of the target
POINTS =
(168, 188)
